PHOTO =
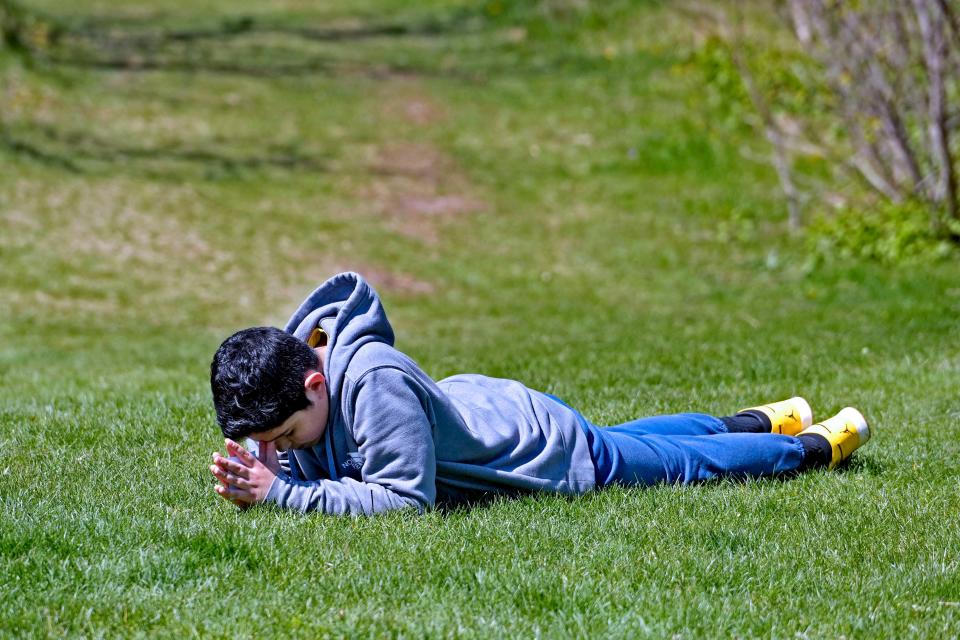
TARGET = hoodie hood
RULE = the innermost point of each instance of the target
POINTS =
(394, 435)
(348, 310)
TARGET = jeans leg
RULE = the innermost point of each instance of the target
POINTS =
(639, 458)
(678, 424)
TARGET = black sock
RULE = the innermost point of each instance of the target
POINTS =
(817, 451)
(748, 422)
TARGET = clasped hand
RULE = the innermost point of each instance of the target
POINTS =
(247, 481)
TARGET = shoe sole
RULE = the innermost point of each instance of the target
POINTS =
(853, 416)
(806, 414)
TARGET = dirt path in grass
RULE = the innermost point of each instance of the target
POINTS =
(410, 185)
(414, 186)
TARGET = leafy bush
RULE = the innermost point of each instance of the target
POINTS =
(21, 29)
(865, 91)
(887, 232)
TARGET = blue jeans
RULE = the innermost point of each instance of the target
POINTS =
(684, 448)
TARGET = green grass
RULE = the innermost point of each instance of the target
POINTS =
(537, 193)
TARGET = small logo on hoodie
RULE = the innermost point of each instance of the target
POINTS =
(352, 465)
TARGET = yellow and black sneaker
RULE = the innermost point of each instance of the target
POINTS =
(846, 432)
(788, 417)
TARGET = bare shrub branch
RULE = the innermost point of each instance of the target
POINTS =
(893, 67)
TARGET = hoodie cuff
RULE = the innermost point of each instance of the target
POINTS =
(279, 489)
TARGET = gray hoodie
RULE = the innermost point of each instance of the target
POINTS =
(396, 439)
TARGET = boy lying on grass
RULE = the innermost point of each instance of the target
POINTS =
(360, 429)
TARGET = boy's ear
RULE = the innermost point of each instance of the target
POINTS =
(314, 380)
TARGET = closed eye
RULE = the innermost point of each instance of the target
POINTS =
(285, 434)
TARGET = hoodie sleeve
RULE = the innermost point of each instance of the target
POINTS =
(394, 435)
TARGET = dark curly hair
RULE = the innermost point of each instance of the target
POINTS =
(257, 380)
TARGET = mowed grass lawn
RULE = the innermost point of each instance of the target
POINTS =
(538, 192)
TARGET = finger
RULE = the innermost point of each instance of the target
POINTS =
(240, 452)
(242, 497)
(238, 482)
(236, 468)
(230, 478)
(224, 492)
(267, 449)
(222, 463)
(236, 495)
(268, 455)
(218, 473)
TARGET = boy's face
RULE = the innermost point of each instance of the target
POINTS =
(306, 427)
